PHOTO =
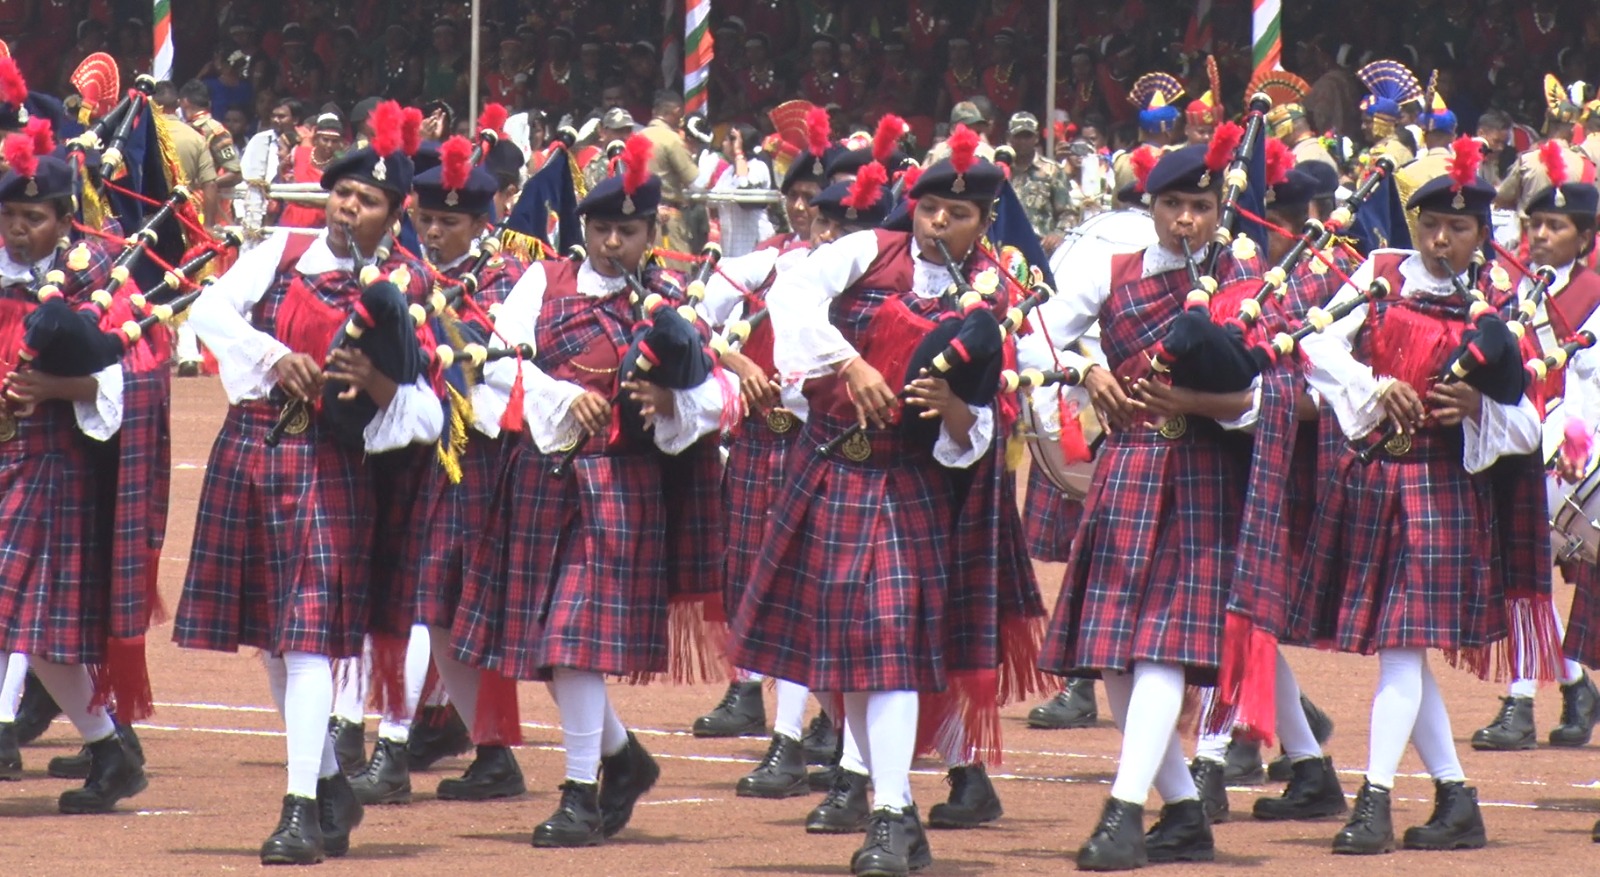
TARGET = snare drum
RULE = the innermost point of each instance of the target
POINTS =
(1072, 479)
(1575, 519)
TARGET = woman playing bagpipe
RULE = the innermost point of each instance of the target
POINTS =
(453, 203)
(852, 587)
(284, 534)
(570, 581)
(1397, 562)
(82, 629)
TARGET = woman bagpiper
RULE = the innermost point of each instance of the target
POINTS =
(283, 538)
(1397, 561)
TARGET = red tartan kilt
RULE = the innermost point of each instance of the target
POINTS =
(696, 530)
(449, 519)
(1400, 557)
(753, 480)
(570, 571)
(397, 477)
(282, 549)
(849, 592)
(1300, 501)
(143, 476)
(1582, 641)
(1052, 518)
(1148, 576)
(52, 573)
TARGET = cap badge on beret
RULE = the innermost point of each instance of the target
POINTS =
(1459, 202)
(627, 205)
(453, 198)
(33, 188)
(380, 170)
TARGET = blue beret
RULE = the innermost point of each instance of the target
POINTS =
(1296, 190)
(477, 196)
(426, 157)
(830, 203)
(1575, 199)
(52, 179)
(1325, 177)
(607, 200)
(1182, 170)
(980, 182)
(1439, 195)
(392, 172)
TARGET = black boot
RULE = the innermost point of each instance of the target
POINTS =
(1182, 834)
(781, 774)
(741, 713)
(339, 813)
(1594, 833)
(437, 733)
(895, 845)
(297, 840)
(576, 822)
(1512, 729)
(1117, 843)
(35, 712)
(1213, 790)
(493, 774)
(1456, 823)
(1073, 707)
(822, 739)
(1580, 706)
(76, 766)
(1241, 764)
(349, 744)
(10, 752)
(114, 774)
(845, 809)
(1313, 793)
(1371, 827)
(972, 800)
(387, 777)
(822, 780)
(1281, 769)
(624, 778)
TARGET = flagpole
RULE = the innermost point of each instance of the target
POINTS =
(1052, 45)
(474, 57)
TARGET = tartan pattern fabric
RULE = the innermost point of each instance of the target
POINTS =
(1051, 518)
(1582, 640)
(496, 280)
(448, 521)
(850, 590)
(396, 478)
(695, 533)
(753, 480)
(991, 578)
(53, 600)
(282, 549)
(138, 476)
(1522, 525)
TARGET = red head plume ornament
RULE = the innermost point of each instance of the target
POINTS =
(1463, 167)
(1224, 145)
(890, 129)
(963, 155)
(866, 189)
(908, 180)
(410, 130)
(635, 167)
(13, 88)
(1279, 160)
(1555, 167)
(386, 121)
(1143, 161)
(819, 129)
(455, 165)
(20, 155)
(493, 118)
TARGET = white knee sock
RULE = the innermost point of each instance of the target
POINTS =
(1394, 712)
(581, 699)
(305, 698)
(853, 758)
(459, 680)
(1119, 687)
(350, 687)
(398, 728)
(749, 676)
(1212, 747)
(891, 741)
(1432, 736)
(1173, 781)
(11, 689)
(73, 690)
(1294, 731)
(613, 734)
(1148, 729)
(790, 709)
(950, 740)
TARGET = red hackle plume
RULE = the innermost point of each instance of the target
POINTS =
(20, 155)
(636, 162)
(1554, 161)
(411, 130)
(887, 138)
(455, 162)
(1143, 161)
(386, 121)
(963, 148)
(1464, 164)
(1224, 144)
(493, 118)
(39, 131)
(910, 177)
(1280, 159)
(867, 188)
(13, 88)
(818, 131)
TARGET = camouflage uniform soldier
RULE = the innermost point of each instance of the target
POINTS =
(1041, 184)
(615, 126)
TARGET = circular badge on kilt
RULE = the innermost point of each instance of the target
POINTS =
(1398, 445)
(781, 421)
(857, 448)
(1174, 427)
(8, 425)
(299, 421)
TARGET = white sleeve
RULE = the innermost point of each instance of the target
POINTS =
(413, 416)
(951, 455)
(545, 400)
(697, 412)
(1246, 422)
(1347, 385)
(245, 355)
(1065, 318)
(1500, 430)
(102, 418)
(805, 343)
(735, 275)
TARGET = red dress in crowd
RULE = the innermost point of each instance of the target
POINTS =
(1003, 85)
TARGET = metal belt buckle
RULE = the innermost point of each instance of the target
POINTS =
(576, 440)
(781, 421)
(857, 448)
(1174, 427)
(299, 422)
(8, 425)
(1398, 445)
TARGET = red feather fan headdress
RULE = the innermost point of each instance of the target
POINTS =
(635, 167)
(884, 141)
(493, 118)
(455, 165)
(386, 120)
(866, 189)
(410, 130)
(818, 136)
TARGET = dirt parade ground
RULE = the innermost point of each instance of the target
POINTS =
(215, 753)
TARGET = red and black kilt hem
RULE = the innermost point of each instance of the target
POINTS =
(282, 549)
(1148, 578)
(53, 598)
(1052, 518)
(142, 475)
(570, 572)
(752, 481)
(849, 593)
(449, 519)
(1582, 640)
(1401, 555)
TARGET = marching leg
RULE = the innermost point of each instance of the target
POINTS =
(1313, 791)
(114, 772)
(895, 843)
(1456, 822)
(494, 772)
(387, 777)
(782, 772)
(10, 698)
(347, 724)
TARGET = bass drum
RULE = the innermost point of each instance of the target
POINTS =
(1575, 518)
(1092, 243)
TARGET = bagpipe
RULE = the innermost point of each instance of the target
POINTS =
(1236, 179)
(109, 134)
(448, 300)
(963, 348)
(1539, 368)
(666, 349)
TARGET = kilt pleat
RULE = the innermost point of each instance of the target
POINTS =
(140, 480)
(1052, 518)
(1582, 640)
(695, 534)
(1148, 575)
(449, 519)
(53, 598)
(850, 588)
(752, 482)
(282, 549)
(397, 479)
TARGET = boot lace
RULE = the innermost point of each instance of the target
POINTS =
(1508, 713)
